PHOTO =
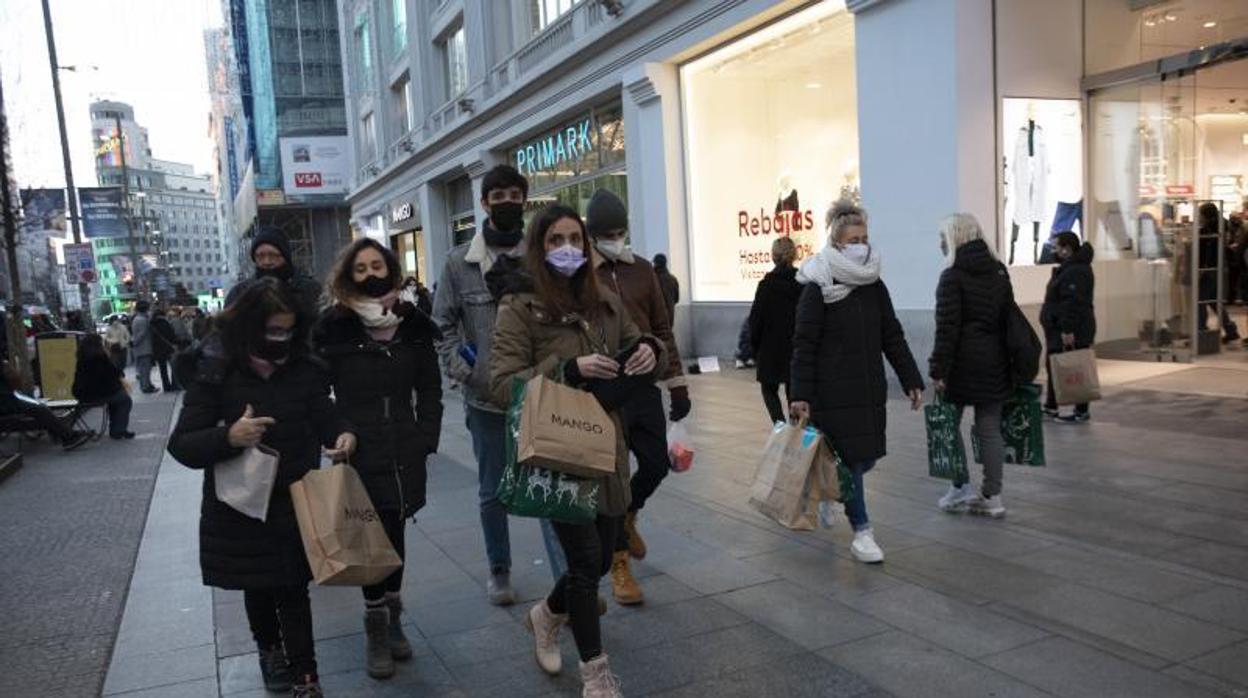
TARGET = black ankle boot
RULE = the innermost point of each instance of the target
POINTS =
(275, 669)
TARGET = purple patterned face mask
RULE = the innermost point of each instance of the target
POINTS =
(566, 260)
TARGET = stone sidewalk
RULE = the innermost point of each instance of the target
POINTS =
(1121, 570)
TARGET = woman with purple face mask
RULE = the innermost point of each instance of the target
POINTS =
(555, 320)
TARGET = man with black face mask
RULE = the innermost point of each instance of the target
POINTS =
(270, 252)
(464, 310)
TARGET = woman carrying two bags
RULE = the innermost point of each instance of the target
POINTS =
(255, 384)
(555, 320)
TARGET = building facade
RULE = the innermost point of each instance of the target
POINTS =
(725, 123)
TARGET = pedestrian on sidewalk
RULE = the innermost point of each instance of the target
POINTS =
(379, 348)
(464, 311)
(633, 279)
(97, 380)
(772, 317)
(141, 346)
(1068, 316)
(557, 319)
(845, 324)
(259, 386)
(969, 363)
(117, 340)
(271, 253)
(164, 346)
(670, 285)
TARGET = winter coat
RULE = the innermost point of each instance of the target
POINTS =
(1067, 305)
(638, 287)
(306, 290)
(969, 353)
(530, 340)
(671, 290)
(141, 335)
(374, 385)
(117, 336)
(838, 369)
(772, 317)
(235, 550)
(96, 379)
(464, 312)
(164, 339)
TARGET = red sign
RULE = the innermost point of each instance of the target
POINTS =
(1180, 189)
(308, 179)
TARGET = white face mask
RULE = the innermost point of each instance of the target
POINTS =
(612, 249)
(857, 253)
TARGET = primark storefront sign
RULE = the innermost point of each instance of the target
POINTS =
(565, 146)
(586, 147)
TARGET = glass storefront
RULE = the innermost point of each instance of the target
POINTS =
(771, 137)
(1118, 33)
(409, 247)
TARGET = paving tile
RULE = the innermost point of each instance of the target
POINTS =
(810, 620)
(1067, 668)
(717, 574)
(1150, 629)
(1229, 664)
(1137, 580)
(473, 646)
(824, 573)
(644, 626)
(1212, 684)
(142, 671)
(790, 677)
(440, 618)
(200, 688)
(972, 631)
(1226, 606)
(905, 665)
(1231, 561)
(975, 534)
(517, 675)
(973, 574)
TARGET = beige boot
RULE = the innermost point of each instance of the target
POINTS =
(626, 590)
(545, 628)
(636, 544)
(377, 652)
(597, 681)
(400, 648)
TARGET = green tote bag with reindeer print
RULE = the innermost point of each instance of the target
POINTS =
(537, 492)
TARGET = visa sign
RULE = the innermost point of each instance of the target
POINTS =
(308, 179)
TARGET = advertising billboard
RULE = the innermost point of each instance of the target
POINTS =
(43, 210)
(315, 165)
(103, 215)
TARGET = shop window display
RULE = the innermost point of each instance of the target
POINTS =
(1042, 147)
(771, 133)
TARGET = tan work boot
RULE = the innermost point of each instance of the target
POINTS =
(400, 647)
(545, 627)
(597, 681)
(377, 656)
(636, 545)
(626, 590)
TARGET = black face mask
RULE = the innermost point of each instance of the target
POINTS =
(375, 286)
(507, 217)
(282, 273)
(273, 349)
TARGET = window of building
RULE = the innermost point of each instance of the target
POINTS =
(400, 96)
(455, 63)
(398, 11)
(545, 12)
(368, 137)
(364, 50)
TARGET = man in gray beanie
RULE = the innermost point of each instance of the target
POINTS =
(632, 278)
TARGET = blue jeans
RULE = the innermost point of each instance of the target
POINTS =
(856, 506)
(118, 407)
(489, 445)
(143, 371)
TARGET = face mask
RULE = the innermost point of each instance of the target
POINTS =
(612, 249)
(857, 253)
(566, 260)
(282, 273)
(375, 286)
(275, 346)
(507, 216)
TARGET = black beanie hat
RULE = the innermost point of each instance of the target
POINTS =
(274, 237)
(605, 213)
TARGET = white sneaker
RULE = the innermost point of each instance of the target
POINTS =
(865, 548)
(957, 498)
(545, 628)
(988, 506)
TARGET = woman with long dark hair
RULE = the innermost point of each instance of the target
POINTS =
(379, 347)
(98, 380)
(555, 320)
(254, 384)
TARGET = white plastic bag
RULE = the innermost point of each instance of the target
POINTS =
(245, 482)
(679, 447)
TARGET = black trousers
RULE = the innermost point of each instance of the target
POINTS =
(392, 520)
(771, 398)
(1050, 399)
(645, 427)
(167, 380)
(588, 550)
(283, 615)
(49, 422)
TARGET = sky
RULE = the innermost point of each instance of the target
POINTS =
(149, 53)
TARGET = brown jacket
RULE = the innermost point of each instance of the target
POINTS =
(529, 340)
(637, 285)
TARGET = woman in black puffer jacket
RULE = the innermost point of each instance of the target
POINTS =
(255, 384)
(379, 347)
(1067, 315)
(969, 363)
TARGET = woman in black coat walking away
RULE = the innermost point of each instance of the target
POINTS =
(379, 347)
(845, 324)
(1067, 315)
(969, 363)
(772, 317)
(254, 383)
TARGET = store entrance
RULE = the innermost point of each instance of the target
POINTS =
(1169, 182)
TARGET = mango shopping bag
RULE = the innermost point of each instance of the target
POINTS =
(534, 491)
(796, 472)
(946, 453)
(342, 535)
(565, 430)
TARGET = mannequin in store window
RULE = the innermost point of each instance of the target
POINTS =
(1030, 169)
(787, 199)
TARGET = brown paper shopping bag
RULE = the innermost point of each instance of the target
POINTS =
(342, 534)
(566, 430)
(796, 472)
(1075, 380)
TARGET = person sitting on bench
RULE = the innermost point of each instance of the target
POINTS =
(13, 403)
(97, 380)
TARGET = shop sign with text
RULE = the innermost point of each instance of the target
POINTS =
(562, 147)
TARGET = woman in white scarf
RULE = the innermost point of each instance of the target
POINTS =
(845, 326)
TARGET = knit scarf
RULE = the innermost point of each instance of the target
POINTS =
(836, 275)
(377, 314)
